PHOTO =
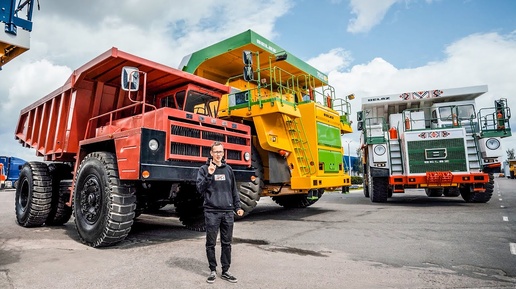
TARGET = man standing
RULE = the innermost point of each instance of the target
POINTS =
(216, 182)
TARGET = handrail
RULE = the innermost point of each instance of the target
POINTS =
(494, 119)
(110, 113)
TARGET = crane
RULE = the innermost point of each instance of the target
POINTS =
(13, 41)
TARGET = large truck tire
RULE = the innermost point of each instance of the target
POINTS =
(33, 195)
(473, 197)
(61, 175)
(250, 191)
(297, 201)
(249, 195)
(189, 208)
(378, 189)
(103, 206)
(61, 213)
(366, 182)
(366, 190)
(434, 192)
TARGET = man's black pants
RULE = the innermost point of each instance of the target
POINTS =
(216, 221)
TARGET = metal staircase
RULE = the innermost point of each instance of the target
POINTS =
(300, 144)
(472, 151)
(472, 148)
(395, 157)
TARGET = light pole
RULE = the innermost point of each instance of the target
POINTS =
(349, 157)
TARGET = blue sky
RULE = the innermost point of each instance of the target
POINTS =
(367, 47)
(410, 34)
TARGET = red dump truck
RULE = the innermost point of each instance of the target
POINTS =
(124, 136)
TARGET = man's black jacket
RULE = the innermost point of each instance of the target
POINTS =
(219, 190)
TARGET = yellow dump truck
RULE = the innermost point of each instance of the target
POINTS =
(296, 117)
(511, 165)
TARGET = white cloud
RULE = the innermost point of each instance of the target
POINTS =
(335, 59)
(164, 31)
(474, 60)
(30, 83)
(368, 14)
(25, 85)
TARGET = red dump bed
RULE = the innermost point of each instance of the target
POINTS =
(55, 124)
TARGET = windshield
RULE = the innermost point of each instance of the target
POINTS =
(464, 112)
(200, 103)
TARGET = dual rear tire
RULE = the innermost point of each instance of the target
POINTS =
(33, 196)
(42, 193)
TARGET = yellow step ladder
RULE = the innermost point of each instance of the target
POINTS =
(300, 144)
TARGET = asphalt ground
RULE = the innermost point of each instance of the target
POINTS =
(342, 241)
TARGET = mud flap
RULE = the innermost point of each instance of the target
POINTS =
(378, 172)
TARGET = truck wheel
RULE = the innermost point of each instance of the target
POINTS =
(189, 208)
(484, 197)
(296, 201)
(366, 183)
(250, 191)
(33, 195)
(451, 192)
(249, 195)
(378, 189)
(366, 190)
(390, 192)
(60, 213)
(434, 193)
(103, 206)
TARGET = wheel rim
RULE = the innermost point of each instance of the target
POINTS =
(91, 196)
(24, 195)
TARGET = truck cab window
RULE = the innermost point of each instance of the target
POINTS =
(180, 99)
(201, 103)
(445, 113)
(466, 112)
(168, 102)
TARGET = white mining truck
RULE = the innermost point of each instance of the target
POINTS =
(433, 140)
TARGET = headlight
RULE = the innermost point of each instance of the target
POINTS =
(153, 144)
(247, 156)
(379, 150)
(492, 143)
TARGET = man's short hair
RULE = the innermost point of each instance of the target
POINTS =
(215, 143)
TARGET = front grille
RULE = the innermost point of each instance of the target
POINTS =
(236, 140)
(455, 160)
(191, 141)
(184, 131)
(185, 149)
(233, 155)
(214, 136)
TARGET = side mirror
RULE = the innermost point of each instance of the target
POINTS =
(247, 56)
(360, 115)
(130, 78)
(360, 125)
(248, 73)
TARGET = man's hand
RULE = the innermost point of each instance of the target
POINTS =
(240, 212)
(211, 168)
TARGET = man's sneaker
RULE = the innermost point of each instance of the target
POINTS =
(228, 277)
(212, 277)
